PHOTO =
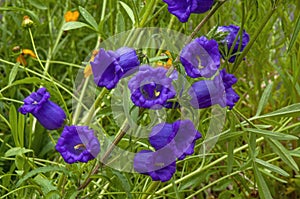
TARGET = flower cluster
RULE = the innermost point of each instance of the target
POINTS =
(151, 88)
(171, 141)
(76, 143)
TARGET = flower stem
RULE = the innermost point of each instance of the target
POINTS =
(96, 103)
(103, 159)
(152, 187)
(34, 49)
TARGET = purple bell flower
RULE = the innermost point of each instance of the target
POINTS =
(232, 32)
(78, 144)
(159, 165)
(49, 114)
(179, 136)
(206, 93)
(110, 66)
(151, 88)
(182, 9)
(201, 57)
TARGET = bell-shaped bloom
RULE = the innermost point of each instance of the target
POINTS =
(201, 57)
(110, 66)
(78, 144)
(49, 114)
(151, 88)
(182, 9)
(159, 165)
(179, 136)
(206, 93)
(233, 32)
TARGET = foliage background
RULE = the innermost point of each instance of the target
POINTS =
(257, 155)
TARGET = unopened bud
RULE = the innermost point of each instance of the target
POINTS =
(27, 22)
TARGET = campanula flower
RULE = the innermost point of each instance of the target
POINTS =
(151, 88)
(110, 66)
(182, 9)
(49, 114)
(159, 165)
(201, 57)
(179, 136)
(206, 93)
(232, 32)
(78, 144)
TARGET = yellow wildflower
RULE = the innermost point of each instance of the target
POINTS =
(21, 59)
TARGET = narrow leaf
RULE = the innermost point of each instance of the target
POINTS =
(263, 189)
(38, 4)
(291, 110)
(295, 34)
(88, 17)
(74, 25)
(283, 153)
(16, 151)
(42, 170)
(271, 167)
(273, 135)
(13, 73)
(128, 11)
(264, 98)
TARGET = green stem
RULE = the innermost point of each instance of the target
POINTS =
(96, 104)
(34, 49)
(148, 12)
(152, 187)
(213, 183)
(211, 165)
(103, 160)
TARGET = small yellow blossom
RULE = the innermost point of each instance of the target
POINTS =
(21, 59)
(71, 16)
(169, 62)
(28, 52)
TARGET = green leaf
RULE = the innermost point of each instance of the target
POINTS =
(283, 153)
(264, 98)
(75, 25)
(292, 110)
(295, 34)
(263, 188)
(89, 18)
(128, 11)
(16, 151)
(123, 182)
(42, 170)
(271, 167)
(273, 135)
(13, 73)
(13, 120)
(271, 175)
(38, 4)
(28, 12)
(45, 185)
